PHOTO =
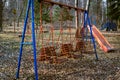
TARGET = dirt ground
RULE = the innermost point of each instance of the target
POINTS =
(84, 68)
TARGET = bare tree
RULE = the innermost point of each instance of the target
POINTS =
(2, 4)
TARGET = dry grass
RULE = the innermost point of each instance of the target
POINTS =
(85, 68)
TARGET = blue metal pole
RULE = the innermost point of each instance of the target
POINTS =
(86, 34)
(23, 35)
(93, 40)
(85, 26)
(34, 39)
(85, 20)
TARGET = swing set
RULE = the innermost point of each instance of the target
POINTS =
(48, 49)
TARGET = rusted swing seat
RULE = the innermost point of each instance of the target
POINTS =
(43, 56)
(66, 49)
(49, 54)
(52, 51)
(46, 53)
(80, 46)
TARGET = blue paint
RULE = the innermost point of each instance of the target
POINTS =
(87, 22)
(109, 26)
(33, 40)
(23, 35)
(33, 43)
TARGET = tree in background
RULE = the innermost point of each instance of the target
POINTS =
(56, 10)
(63, 15)
(2, 5)
(96, 10)
(45, 12)
(114, 10)
(1, 11)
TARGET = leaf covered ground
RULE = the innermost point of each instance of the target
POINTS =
(84, 68)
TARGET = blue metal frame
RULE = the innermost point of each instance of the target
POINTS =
(33, 43)
(87, 22)
(30, 6)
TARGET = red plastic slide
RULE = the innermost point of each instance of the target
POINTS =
(104, 44)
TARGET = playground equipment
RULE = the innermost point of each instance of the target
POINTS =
(109, 26)
(49, 51)
(104, 44)
(66, 48)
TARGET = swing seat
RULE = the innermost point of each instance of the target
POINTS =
(51, 51)
(66, 49)
(46, 53)
(43, 54)
(80, 46)
(43, 58)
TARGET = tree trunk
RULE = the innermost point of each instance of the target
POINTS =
(1, 10)
(76, 15)
(118, 24)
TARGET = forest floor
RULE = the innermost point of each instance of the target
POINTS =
(84, 68)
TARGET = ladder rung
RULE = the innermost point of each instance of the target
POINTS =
(27, 43)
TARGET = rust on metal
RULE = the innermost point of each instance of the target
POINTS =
(61, 4)
(80, 46)
(46, 53)
(66, 49)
